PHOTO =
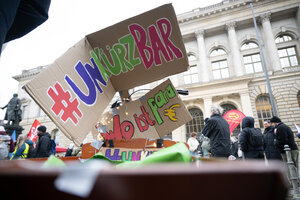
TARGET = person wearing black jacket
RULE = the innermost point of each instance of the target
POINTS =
(217, 130)
(284, 135)
(19, 17)
(42, 148)
(271, 150)
(249, 149)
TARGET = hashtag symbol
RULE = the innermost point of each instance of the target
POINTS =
(63, 104)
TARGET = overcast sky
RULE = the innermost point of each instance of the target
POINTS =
(69, 21)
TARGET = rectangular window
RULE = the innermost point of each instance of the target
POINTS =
(220, 69)
(25, 112)
(252, 63)
(191, 76)
(288, 57)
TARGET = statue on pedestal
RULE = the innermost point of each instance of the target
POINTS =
(13, 111)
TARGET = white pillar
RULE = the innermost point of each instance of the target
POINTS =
(298, 18)
(207, 106)
(202, 56)
(234, 48)
(269, 40)
(246, 103)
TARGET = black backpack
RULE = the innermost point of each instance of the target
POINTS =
(256, 138)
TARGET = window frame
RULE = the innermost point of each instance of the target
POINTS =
(198, 126)
(261, 113)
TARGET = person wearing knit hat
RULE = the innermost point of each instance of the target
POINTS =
(42, 129)
(275, 119)
(43, 145)
(285, 136)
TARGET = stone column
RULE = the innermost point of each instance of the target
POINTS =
(298, 18)
(246, 103)
(269, 40)
(234, 48)
(207, 106)
(202, 55)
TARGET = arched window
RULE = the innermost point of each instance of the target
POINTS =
(283, 38)
(218, 52)
(192, 57)
(264, 109)
(226, 108)
(287, 52)
(196, 124)
(249, 45)
(252, 61)
(219, 64)
(298, 98)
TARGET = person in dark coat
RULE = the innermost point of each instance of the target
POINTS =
(284, 135)
(250, 150)
(217, 130)
(42, 148)
(19, 17)
(271, 150)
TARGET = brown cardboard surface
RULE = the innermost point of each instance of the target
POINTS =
(140, 75)
(173, 106)
(136, 119)
(124, 154)
(84, 72)
(55, 73)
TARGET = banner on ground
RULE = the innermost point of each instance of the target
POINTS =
(75, 90)
(154, 115)
(32, 135)
(234, 118)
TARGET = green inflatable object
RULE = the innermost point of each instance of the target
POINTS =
(175, 153)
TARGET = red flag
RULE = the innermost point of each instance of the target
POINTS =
(234, 118)
(32, 135)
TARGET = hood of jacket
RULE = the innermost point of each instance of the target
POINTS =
(248, 122)
(44, 134)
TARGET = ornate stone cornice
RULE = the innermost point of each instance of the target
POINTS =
(230, 25)
(265, 17)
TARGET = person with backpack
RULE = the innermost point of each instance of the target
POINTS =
(43, 146)
(251, 140)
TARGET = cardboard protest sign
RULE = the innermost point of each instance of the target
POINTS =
(124, 154)
(78, 86)
(154, 115)
(142, 49)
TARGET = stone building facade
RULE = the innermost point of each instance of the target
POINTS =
(225, 64)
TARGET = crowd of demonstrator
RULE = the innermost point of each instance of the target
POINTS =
(215, 139)
(23, 147)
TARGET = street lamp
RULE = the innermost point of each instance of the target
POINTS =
(263, 62)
